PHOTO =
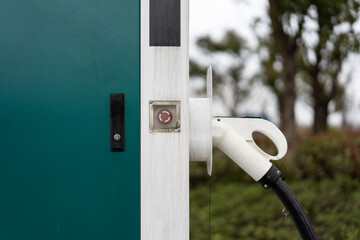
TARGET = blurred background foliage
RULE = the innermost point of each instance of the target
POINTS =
(300, 57)
(325, 179)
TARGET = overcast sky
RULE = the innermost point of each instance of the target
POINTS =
(214, 17)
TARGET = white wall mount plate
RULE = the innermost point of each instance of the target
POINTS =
(200, 115)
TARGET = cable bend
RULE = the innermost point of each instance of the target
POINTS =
(273, 180)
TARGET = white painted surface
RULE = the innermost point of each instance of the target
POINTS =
(164, 156)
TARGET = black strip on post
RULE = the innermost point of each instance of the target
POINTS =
(165, 23)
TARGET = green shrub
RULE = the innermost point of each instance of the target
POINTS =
(249, 212)
(328, 155)
(325, 177)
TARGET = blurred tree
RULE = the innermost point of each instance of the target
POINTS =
(308, 43)
(310, 39)
(279, 63)
(229, 85)
(321, 61)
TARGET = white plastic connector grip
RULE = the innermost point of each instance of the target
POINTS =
(234, 137)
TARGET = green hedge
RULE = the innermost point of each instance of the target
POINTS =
(248, 212)
(318, 157)
(324, 175)
(328, 155)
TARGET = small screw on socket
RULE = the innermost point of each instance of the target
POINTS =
(117, 137)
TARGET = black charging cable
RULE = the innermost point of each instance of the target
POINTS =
(273, 180)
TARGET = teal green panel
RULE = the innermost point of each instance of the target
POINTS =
(59, 62)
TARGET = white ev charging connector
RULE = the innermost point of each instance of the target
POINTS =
(234, 136)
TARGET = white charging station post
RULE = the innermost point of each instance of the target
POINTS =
(164, 155)
(175, 129)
